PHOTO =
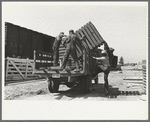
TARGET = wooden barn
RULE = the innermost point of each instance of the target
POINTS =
(22, 42)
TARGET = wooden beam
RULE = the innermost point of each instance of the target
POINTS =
(84, 42)
(97, 33)
(91, 36)
(88, 38)
(93, 33)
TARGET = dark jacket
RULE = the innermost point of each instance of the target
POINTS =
(71, 41)
(57, 42)
(109, 51)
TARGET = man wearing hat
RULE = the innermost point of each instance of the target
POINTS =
(70, 43)
(55, 48)
(110, 52)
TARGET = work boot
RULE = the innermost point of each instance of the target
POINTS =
(55, 65)
(81, 68)
(76, 70)
(61, 68)
(64, 70)
(106, 91)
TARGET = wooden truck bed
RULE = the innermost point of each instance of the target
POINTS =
(55, 76)
(44, 61)
(44, 65)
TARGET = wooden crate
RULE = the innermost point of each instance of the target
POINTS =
(93, 39)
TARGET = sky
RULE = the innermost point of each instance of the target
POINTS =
(123, 25)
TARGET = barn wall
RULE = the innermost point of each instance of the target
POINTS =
(22, 42)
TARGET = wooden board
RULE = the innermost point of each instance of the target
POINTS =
(93, 39)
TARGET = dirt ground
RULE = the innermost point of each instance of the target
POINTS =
(37, 90)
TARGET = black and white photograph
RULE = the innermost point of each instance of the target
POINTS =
(74, 60)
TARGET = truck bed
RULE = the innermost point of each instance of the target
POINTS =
(45, 72)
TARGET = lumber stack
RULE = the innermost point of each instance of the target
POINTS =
(93, 39)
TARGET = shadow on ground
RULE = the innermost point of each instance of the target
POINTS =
(97, 91)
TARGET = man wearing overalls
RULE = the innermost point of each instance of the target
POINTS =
(71, 49)
(55, 48)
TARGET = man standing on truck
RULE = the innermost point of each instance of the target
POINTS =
(55, 48)
(70, 42)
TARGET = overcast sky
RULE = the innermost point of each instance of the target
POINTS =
(123, 25)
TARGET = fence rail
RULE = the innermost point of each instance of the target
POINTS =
(18, 68)
(144, 75)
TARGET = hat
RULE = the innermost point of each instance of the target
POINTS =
(61, 34)
(111, 49)
(72, 31)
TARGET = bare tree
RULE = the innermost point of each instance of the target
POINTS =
(121, 61)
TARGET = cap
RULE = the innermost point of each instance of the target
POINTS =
(111, 49)
(71, 31)
(61, 34)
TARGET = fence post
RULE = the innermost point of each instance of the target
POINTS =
(144, 74)
(26, 67)
(34, 59)
(7, 67)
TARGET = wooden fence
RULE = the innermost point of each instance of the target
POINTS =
(144, 75)
(18, 68)
(134, 77)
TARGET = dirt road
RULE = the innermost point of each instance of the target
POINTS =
(37, 90)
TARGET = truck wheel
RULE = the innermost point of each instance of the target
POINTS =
(53, 86)
(70, 84)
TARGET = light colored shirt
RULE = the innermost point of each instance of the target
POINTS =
(103, 62)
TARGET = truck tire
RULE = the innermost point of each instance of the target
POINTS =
(53, 86)
(70, 84)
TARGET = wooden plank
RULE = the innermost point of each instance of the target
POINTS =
(60, 49)
(23, 63)
(62, 46)
(32, 65)
(18, 75)
(78, 51)
(11, 67)
(7, 67)
(132, 78)
(97, 33)
(83, 42)
(22, 71)
(88, 38)
(132, 81)
(89, 45)
(18, 60)
(26, 69)
(91, 36)
(93, 33)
